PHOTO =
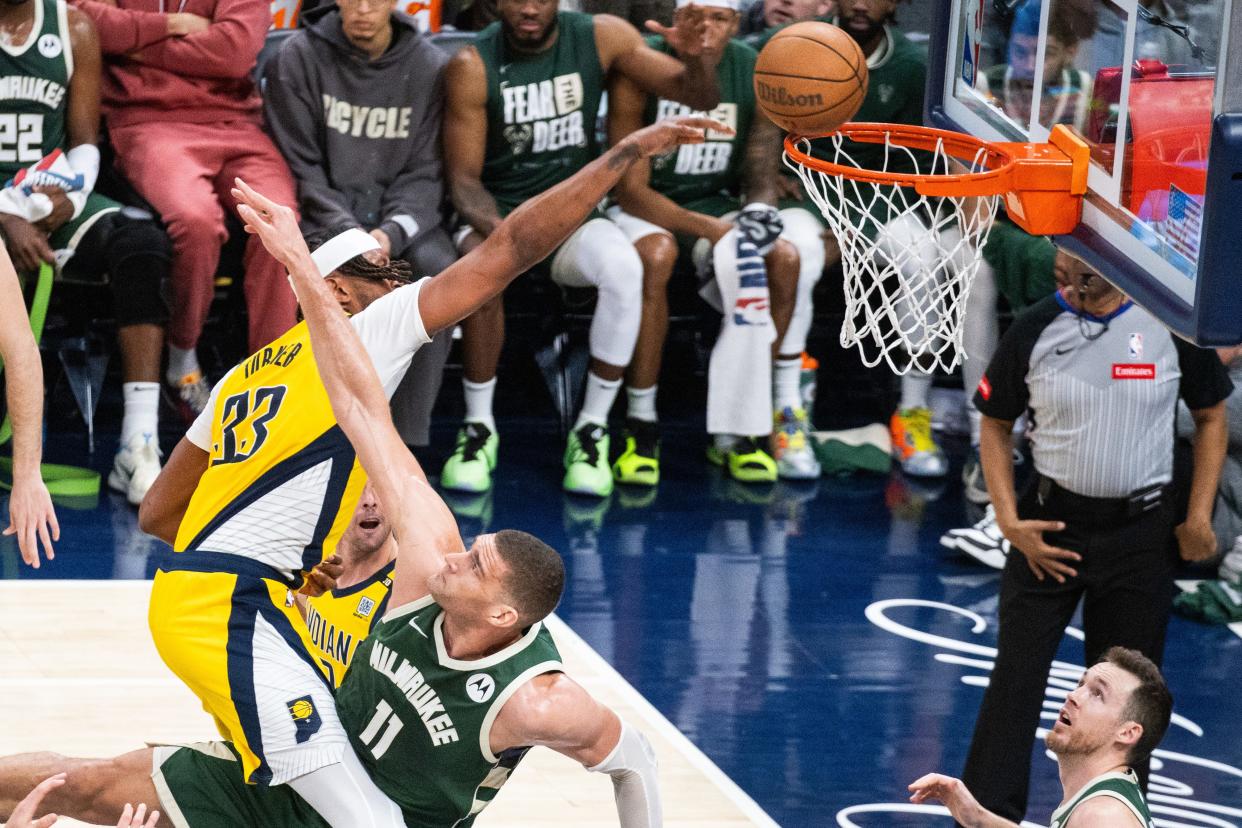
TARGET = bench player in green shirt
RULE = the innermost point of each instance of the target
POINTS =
(522, 105)
(50, 74)
(1110, 723)
(461, 678)
(693, 194)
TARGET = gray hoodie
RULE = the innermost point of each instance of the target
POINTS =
(361, 137)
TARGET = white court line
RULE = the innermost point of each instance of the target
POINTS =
(656, 719)
(1191, 586)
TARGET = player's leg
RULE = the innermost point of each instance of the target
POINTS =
(254, 159)
(469, 468)
(172, 168)
(639, 462)
(914, 249)
(134, 252)
(95, 790)
(795, 456)
(599, 255)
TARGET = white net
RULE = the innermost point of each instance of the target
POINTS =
(909, 259)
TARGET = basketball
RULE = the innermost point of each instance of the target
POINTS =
(810, 78)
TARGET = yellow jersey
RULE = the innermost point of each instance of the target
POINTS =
(282, 480)
(341, 618)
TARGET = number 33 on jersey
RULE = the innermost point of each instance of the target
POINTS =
(282, 480)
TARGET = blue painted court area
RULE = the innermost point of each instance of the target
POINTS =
(814, 641)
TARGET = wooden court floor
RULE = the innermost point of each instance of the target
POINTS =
(81, 677)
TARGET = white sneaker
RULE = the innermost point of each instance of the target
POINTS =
(983, 541)
(135, 468)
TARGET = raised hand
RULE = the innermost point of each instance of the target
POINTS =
(687, 32)
(274, 224)
(664, 136)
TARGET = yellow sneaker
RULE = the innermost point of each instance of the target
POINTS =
(913, 444)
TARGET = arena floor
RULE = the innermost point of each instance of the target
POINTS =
(813, 642)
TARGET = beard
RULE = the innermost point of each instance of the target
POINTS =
(864, 36)
(532, 46)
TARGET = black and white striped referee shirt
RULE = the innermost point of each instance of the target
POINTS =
(1102, 410)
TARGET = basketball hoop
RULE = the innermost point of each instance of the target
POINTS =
(911, 242)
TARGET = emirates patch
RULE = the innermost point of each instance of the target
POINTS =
(985, 388)
(1134, 371)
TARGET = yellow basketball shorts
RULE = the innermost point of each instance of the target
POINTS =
(235, 637)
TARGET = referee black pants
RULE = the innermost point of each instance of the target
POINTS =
(1126, 585)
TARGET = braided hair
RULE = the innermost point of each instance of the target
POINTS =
(360, 267)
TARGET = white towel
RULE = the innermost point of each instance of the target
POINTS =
(739, 375)
(18, 197)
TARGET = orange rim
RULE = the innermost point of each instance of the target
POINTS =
(992, 181)
(1042, 183)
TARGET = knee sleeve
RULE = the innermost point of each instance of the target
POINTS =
(599, 255)
(805, 233)
(136, 256)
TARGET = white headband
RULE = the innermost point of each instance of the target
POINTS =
(339, 249)
(721, 4)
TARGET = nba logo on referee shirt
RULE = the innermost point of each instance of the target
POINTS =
(306, 721)
(1136, 345)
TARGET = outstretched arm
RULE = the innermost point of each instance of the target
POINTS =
(554, 711)
(424, 526)
(535, 229)
(31, 516)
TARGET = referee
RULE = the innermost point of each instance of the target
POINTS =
(1100, 377)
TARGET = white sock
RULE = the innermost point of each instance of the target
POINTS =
(642, 403)
(142, 411)
(479, 401)
(600, 395)
(914, 388)
(724, 442)
(181, 363)
(786, 382)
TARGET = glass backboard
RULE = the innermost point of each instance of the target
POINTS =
(1152, 89)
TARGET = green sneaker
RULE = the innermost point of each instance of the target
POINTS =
(586, 461)
(745, 462)
(469, 468)
(639, 464)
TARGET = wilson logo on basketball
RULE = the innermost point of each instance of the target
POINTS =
(1131, 371)
(780, 96)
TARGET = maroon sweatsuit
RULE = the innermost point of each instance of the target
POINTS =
(183, 116)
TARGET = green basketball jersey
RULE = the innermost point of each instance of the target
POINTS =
(421, 721)
(714, 167)
(1121, 786)
(541, 110)
(34, 83)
